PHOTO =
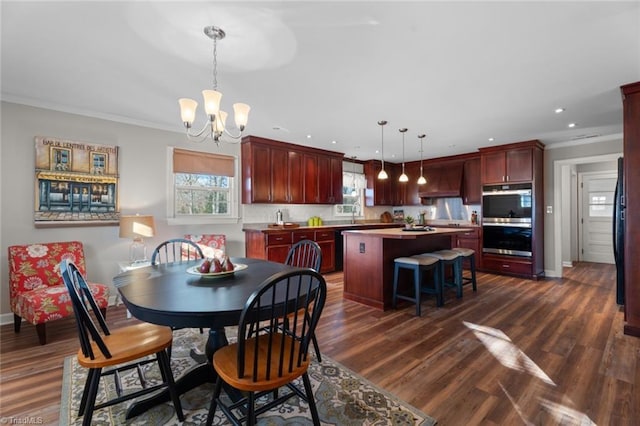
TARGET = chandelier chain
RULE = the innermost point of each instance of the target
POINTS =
(215, 63)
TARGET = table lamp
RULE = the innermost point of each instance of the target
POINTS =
(137, 227)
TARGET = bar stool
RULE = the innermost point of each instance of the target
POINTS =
(418, 264)
(446, 258)
(467, 253)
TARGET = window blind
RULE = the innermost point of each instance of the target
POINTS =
(204, 163)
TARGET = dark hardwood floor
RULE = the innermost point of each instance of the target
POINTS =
(516, 352)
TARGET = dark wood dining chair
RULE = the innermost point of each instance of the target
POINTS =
(306, 254)
(101, 348)
(262, 362)
(176, 250)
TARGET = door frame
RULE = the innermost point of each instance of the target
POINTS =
(581, 213)
(560, 168)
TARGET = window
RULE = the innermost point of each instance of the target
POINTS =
(353, 185)
(202, 188)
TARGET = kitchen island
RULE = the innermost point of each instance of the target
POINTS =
(369, 254)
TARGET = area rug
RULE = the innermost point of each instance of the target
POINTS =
(343, 397)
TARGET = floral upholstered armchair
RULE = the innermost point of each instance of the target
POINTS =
(36, 290)
(212, 245)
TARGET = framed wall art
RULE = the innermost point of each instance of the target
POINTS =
(76, 183)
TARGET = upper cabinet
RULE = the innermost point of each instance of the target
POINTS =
(510, 163)
(283, 173)
(329, 181)
(471, 186)
(379, 192)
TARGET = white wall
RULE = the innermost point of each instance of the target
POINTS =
(556, 159)
(143, 165)
(142, 189)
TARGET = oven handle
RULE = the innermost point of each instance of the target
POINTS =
(508, 192)
(507, 224)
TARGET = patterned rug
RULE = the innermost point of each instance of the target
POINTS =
(343, 397)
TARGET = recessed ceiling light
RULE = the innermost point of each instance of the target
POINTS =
(308, 136)
(572, 125)
(559, 110)
(491, 139)
(334, 142)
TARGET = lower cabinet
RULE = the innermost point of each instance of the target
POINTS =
(471, 240)
(275, 245)
(508, 265)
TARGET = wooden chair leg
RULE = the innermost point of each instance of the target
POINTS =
(417, 278)
(17, 322)
(310, 399)
(42, 333)
(214, 401)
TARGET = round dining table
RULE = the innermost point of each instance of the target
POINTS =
(178, 296)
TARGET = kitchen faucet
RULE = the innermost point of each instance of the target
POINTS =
(354, 207)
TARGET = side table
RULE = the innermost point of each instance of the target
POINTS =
(125, 266)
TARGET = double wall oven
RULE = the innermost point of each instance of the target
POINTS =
(506, 219)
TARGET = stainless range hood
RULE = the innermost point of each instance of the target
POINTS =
(443, 181)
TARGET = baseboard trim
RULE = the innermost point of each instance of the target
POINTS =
(567, 264)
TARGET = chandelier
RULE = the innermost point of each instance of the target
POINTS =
(421, 179)
(383, 174)
(215, 127)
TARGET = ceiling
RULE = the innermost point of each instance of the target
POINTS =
(460, 72)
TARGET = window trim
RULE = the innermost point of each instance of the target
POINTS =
(234, 208)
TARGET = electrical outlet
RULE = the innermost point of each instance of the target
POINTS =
(361, 247)
(549, 209)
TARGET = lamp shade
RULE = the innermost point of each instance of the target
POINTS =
(136, 226)
(188, 110)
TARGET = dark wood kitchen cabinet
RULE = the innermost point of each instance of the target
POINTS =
(522, 163)
(330, 179)
(631, 175)
(286, 177)
(471, 186)
(510, 163)
(283, 173)
(380, 192)
(274, 245)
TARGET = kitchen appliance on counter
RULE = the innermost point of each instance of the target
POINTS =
(506, 219)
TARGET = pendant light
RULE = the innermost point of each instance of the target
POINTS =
(403, 177)
(421, 179)
(383, 174)
(354, 189)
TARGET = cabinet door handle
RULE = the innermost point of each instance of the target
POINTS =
(505, 266)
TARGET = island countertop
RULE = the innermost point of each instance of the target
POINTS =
(403, 234)
(369, 259)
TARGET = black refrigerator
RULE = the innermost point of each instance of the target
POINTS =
(618, 233)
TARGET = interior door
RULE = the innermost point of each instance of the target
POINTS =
(597, 193)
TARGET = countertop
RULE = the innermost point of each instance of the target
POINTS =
(400, 234)
(328, 226)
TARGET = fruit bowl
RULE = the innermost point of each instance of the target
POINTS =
(236, 267)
